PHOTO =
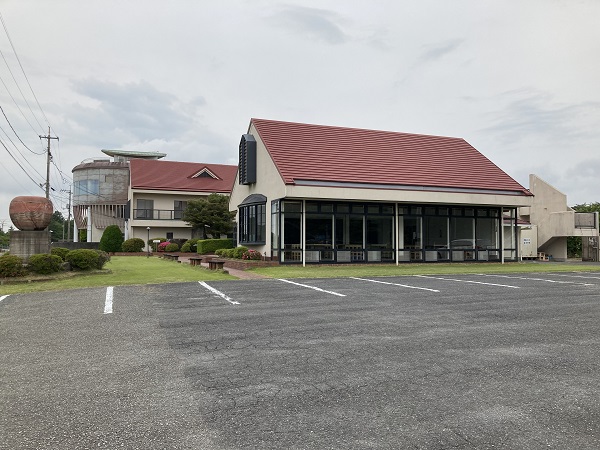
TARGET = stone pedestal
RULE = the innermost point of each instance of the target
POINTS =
(27, 243)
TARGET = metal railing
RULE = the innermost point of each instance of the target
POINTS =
(157, 214)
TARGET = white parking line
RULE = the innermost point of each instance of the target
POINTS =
(538, 279)
(396, 284)
(313, 287)
(573, 276)
(219, 293)
(3, 297)
(108, 302)
(468, 281)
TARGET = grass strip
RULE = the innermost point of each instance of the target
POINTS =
(120, 270)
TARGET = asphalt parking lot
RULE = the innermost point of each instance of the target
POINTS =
(431, 362)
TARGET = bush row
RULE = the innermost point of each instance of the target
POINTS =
(240, 252)
(59, 259)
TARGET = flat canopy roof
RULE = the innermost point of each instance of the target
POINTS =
(133, 154)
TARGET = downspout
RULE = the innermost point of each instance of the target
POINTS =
(397, 230)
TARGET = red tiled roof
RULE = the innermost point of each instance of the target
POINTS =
(350, 155)
(179, 176)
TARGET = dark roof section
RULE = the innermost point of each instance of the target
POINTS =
(328, 154)
(180, 176)
(254, 199)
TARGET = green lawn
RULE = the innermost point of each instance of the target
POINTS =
(121, 270)
(388, 270)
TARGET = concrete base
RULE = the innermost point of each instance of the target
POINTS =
(27, 243)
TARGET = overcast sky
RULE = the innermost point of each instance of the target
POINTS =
(518, 79)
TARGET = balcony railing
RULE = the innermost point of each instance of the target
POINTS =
(586, 220)
(157, 214)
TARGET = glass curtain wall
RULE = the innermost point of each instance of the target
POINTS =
(364, 232)
(449, 233)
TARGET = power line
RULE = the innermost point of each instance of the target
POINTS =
(19, 164)
(18, 137)
(24, 74)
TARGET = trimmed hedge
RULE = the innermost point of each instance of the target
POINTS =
(84, 259)
(112, 239)
(205, 246)
(189, 246)
(60, 251)
(172, 247)
(133, 245)
(11, 266)
(44, 263)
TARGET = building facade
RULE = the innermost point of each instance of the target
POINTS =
(160, 190)
(320, 194)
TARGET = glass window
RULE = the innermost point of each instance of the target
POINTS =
(343, 208)
(312, 207)
(179, 207)
(292, 206)
(430, 211)
(402, 209)
(387, 209)
(410, 232)
(144, 209)
(326, 207)
(373, 209)
(252, 220)
(358, 209)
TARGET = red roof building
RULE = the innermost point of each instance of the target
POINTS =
(335, 194)
(159, 191)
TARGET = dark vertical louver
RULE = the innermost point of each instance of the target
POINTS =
(247, 159)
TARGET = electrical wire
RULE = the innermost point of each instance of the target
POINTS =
(24, 74)
(19, 164)
(18, 137)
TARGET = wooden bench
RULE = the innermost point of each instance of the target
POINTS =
(215, 264)
(195, 260)
(171, 257)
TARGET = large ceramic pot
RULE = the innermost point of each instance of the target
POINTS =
(29, 213)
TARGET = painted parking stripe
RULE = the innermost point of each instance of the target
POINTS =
(108, 302)
(219, 293)
(468, 281)
(312, 287)
(3, 297)
(396, 284)
(587, 277)
(538, 279)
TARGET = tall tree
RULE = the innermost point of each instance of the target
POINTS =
(210, 214)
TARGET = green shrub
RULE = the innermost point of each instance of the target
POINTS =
(103, 258)
(60, 251)
(11, 266)
(153, 245)
(83, 259)
(252, 255)
(205, 246)
(189, 246)
(112, 239)
(172, 247)
(238, 252)
(133, 245)
(44, 263)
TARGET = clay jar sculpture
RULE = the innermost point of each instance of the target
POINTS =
(30, 213)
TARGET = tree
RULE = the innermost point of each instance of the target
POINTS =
(59, 227)
(210, 214)
(112, 239)
(574, 245)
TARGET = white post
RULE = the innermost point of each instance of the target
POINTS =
(303, 236)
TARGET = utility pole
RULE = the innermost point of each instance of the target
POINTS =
(48, 162)
(69, 219)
